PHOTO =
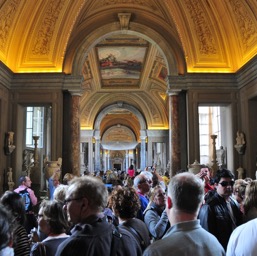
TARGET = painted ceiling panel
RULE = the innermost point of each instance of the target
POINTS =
(34, 35)
(196, 36)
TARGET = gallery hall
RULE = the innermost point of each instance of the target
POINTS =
(99, 85)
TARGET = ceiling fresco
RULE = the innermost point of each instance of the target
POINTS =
(121, 65)
(124, 50)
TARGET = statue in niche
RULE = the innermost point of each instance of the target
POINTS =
(221, 155)
(9, 146)
(240, 171)
(9, 178)
(9, 175)
(240, 143)
(159, 163)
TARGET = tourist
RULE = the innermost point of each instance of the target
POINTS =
(85, 200)
(30, 200)
(52, 221)
(13, 202)
(220, 214)
(6, 233)
(185, 236)
(155, 216)
(125, 204)
(142, 184)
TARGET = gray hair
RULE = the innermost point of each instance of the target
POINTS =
(139, 179)
(186, 191)
(92, 188)
(60, 193)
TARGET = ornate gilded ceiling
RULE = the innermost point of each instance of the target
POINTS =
(87, 37)
(214, 35)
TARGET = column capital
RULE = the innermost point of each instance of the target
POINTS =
(143, 137)
(76, 92)
(175, 84)
(173, 92)
(143, 133)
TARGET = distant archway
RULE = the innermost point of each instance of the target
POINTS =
(120, 105)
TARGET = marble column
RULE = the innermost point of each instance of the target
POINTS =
(134, 159)
(108, 159)
(174, 136)
(90, 155)
(82, 157)
(143, 151)
(97, 151)
(104, 161)
(127, 160)
(150, 149)
(75, 133)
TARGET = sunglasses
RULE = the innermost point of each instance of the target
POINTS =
(227, 183)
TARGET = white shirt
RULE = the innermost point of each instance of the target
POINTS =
(242, 241)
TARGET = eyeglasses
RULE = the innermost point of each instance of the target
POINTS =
(66, 201)
(227, 183)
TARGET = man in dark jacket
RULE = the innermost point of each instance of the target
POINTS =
(220, 215)
(86, 198)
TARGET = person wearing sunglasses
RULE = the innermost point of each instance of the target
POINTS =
(220, 214)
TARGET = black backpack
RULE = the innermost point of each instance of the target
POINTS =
(26, 198)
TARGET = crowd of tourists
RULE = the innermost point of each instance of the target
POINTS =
(132, 213)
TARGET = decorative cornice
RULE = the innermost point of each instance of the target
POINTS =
(6, 76)
(221, 81)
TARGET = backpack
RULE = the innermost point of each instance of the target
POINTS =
(26, 199)
(116, 237)
(136, 235)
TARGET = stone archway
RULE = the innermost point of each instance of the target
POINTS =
(120, 105)
(143, 132)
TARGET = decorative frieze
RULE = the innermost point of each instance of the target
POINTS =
(7, 14)
(245, 24)
(207, 43)
(47, 27)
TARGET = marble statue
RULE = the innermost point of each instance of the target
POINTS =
(240, 143)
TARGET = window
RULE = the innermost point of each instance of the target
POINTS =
(34, 125)
(209, 124)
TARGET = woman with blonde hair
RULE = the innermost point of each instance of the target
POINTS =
(250, 201)
(67, 178)
(155, 216)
